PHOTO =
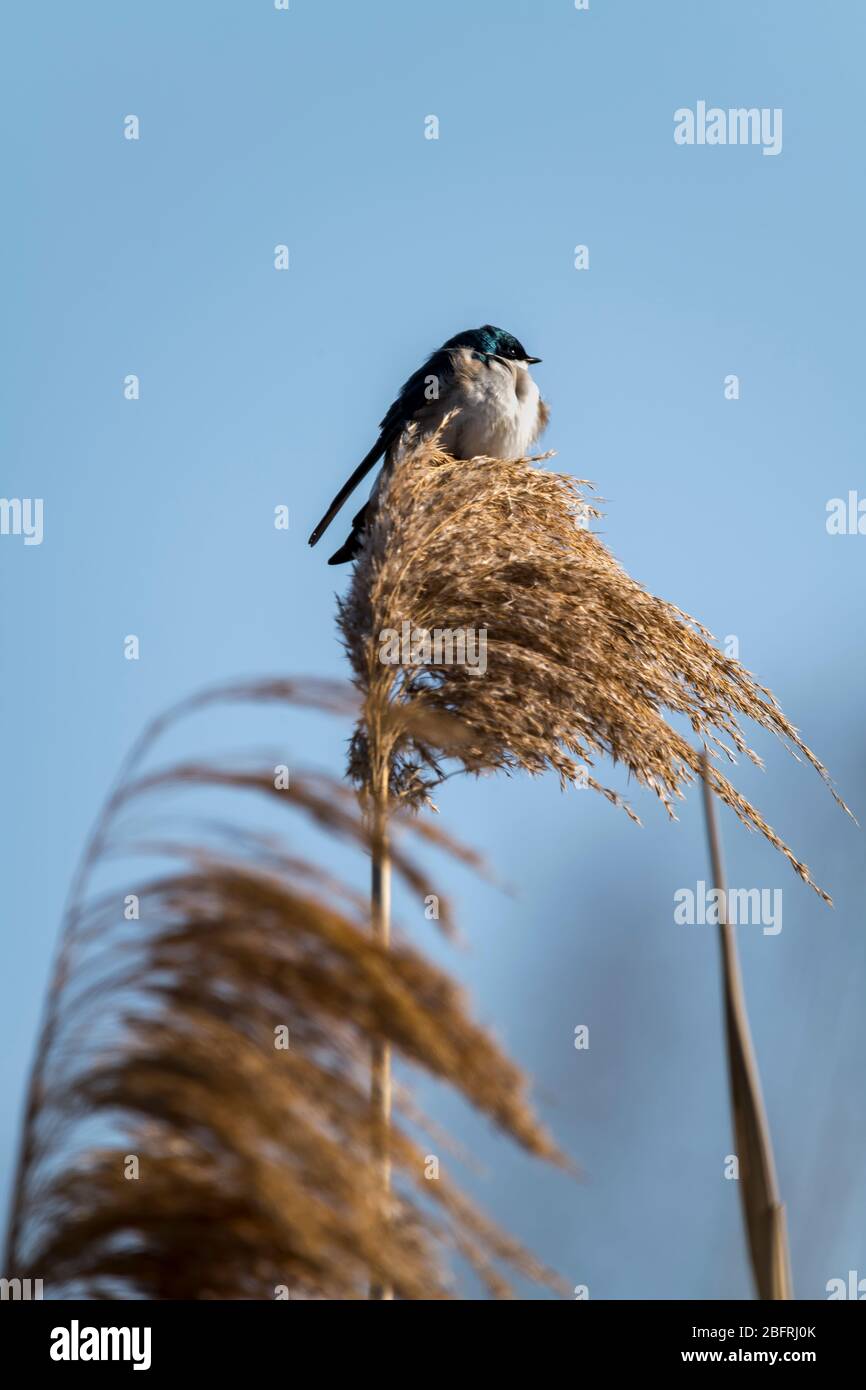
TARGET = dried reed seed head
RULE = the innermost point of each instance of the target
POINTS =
(255, 1166)
(580, 659)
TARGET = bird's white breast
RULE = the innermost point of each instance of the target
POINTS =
(500, 411)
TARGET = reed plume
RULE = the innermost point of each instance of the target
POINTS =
(198, 1122)
(581, 659)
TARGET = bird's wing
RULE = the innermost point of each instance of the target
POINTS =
(413, 397)
(428, 384)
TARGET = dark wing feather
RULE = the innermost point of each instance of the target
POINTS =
(349, 486)
(411, 399)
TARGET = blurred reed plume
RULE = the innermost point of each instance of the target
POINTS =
(198, 1122)
(581, 660)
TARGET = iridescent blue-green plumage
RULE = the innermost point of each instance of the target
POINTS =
(489, 341)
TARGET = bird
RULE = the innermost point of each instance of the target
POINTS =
(480, 378)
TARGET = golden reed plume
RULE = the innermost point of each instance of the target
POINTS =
(198, 1124)
(581, 660)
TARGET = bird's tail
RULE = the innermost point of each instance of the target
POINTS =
(348, 487)
(354, 541)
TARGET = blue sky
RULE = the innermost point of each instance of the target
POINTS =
(155, 257)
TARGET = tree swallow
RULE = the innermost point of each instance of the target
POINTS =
(483, 375)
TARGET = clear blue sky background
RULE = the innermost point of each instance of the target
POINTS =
(258, 387)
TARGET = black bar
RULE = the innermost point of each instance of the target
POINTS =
(297, 1338)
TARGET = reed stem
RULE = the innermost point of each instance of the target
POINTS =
(380, 1061)
(763, 1209)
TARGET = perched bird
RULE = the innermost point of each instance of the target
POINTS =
(483, 375)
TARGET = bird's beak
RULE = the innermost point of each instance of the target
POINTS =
(533, 359)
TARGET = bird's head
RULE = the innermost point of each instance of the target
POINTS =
(492, 342)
